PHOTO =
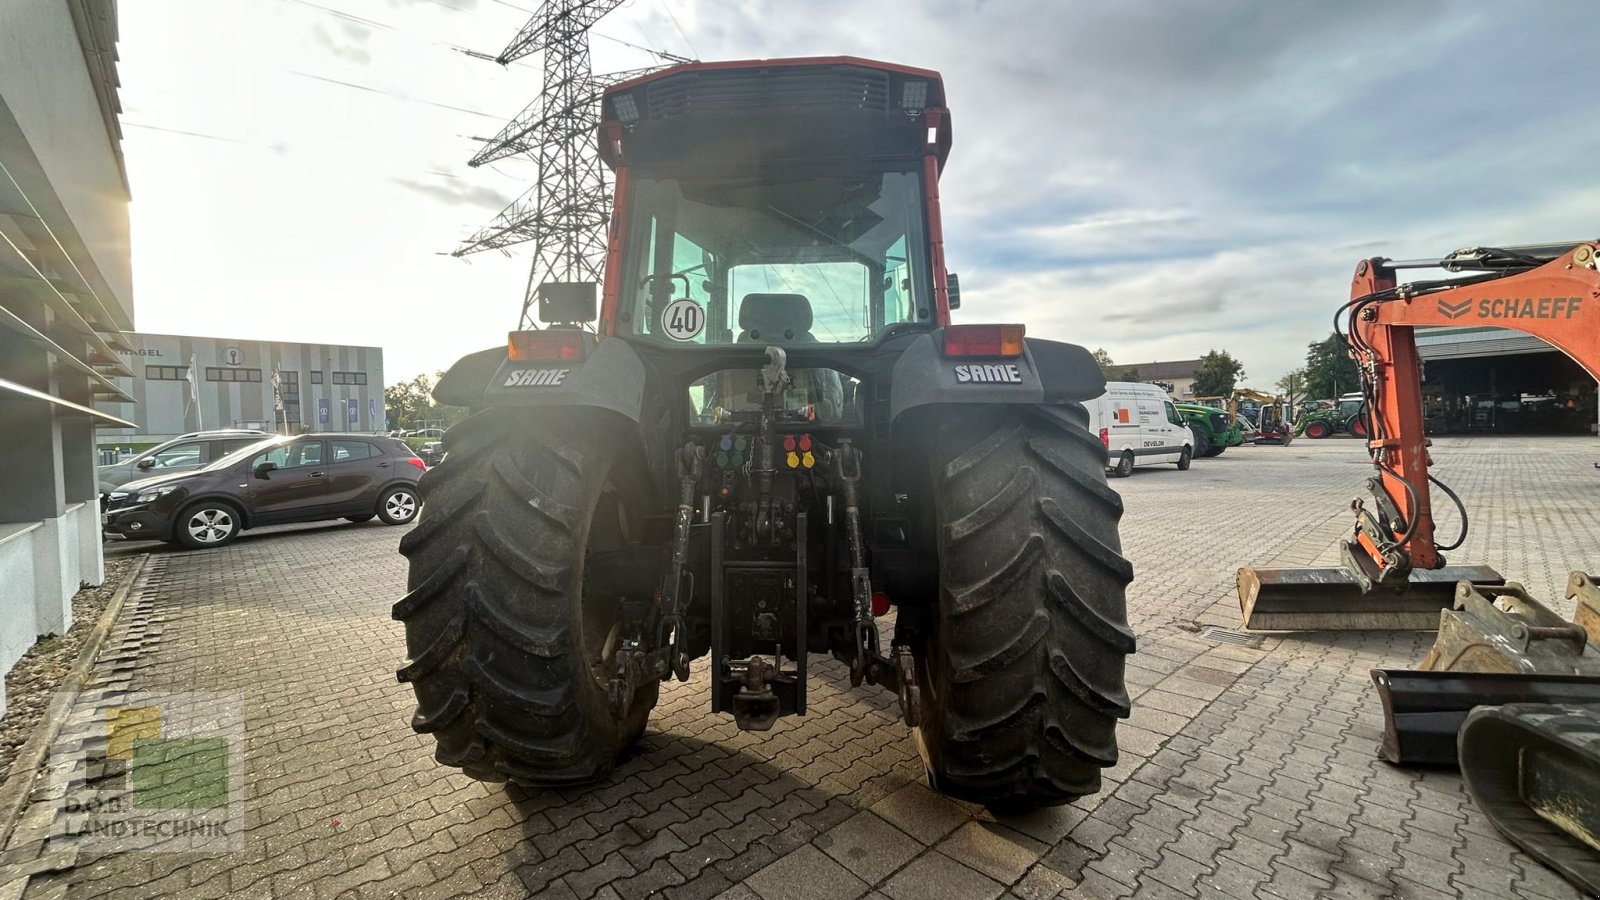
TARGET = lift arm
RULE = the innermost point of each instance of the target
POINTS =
(1558, 301)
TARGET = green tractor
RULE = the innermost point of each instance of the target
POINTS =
(1348, 416)
(1213, 433)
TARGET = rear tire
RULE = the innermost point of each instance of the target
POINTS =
(1317, 430)
(1202, 442)
(1022, 677)
(1124, 465)
(506, 648)
(1215, 452)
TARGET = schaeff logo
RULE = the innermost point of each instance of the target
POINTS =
(1001, 374)
(1514, 308)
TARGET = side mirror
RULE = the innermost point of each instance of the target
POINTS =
(568, 302)
(149, 462)
(952, 287)
(264, 468)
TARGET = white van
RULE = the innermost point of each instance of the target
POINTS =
(1139, 426)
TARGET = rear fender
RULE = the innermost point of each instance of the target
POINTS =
(610, 377)
(1047, 372)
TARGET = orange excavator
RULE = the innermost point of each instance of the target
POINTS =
(1510, 691)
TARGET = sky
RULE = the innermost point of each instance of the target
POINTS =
(1154, 179)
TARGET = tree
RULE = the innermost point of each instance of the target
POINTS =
(1217, 374)
(1329, 369)
(1292, 386)
(1113, 372)
(410, 403)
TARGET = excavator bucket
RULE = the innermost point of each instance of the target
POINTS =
(1534, 769)
(1510, 692)
(1333, 599)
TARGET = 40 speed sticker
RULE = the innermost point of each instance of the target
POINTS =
(683, 320)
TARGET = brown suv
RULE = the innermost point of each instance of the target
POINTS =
(270, 482)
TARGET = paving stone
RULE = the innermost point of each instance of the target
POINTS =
(934, 876)
(921, 813)
(993, 849)
(806, 874)
(868, 846)
(1257, 762)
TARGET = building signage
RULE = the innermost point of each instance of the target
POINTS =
(354, 406)
(233, 356)
(324, 413)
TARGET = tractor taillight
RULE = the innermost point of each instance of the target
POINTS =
(983, 340)
(880, 603)
(1105, 437)
(549, 345)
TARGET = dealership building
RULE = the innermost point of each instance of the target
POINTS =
(181, 383)
(66, 296)
(1502, 381)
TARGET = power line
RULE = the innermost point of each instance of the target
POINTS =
(405, 97)
(670, 57)
(565, 213)
(681, 32)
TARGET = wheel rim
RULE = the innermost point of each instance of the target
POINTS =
(210, 525)
(401, 505)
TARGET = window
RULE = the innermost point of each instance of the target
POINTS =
(233, 444)
(166, 373)
(316, 376)
(215, 373)
(349, 378)
(183, 456)
(1172, 414)
(345, 451)
(292, 456)
(814, 259)
(289, 389)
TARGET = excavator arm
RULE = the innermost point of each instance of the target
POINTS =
(1510, 691)
(1557, 300)
(1394, 574)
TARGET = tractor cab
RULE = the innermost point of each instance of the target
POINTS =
(786, 203)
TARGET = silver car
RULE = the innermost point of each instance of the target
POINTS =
(184, 453)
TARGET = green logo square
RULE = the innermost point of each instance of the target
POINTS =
(180, 773)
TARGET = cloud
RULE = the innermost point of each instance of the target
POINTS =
(457, 192)
(1156, 179)
(1160, 179)
(346, 39)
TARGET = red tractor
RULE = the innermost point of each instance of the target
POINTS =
(767, 442)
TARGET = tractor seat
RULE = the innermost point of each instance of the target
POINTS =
(775, 318)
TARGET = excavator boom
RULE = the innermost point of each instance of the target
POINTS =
(1550, 291)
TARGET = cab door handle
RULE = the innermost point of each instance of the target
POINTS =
(317, 474)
